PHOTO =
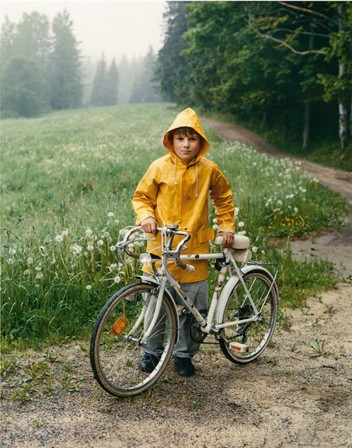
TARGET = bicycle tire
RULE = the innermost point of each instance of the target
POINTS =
(114, 358)
(253, 337)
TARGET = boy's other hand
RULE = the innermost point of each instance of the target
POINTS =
(228, 238)
(149, 225)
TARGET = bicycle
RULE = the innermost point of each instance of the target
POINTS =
(242, 313)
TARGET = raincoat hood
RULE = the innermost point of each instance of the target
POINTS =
(187, 118)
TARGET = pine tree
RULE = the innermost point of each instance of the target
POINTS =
(65, 65)
(147, 88)
(98, 95)
(112, 79)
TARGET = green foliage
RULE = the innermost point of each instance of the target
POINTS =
(24, 93)
(276, 65)
(40, 65)
(68, 180)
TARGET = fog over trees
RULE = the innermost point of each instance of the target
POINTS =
(281, 68)
(43, 69)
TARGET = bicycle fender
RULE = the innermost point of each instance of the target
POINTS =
(150, 280)
(220, 309)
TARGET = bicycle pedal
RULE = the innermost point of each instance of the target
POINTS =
(237, 347)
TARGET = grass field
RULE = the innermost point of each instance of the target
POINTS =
(67, 183)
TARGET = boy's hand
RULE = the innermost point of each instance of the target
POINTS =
(228, 238)
(149, 225)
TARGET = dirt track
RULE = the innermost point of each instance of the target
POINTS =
(298, 394)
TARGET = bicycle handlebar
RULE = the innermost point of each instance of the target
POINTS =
(170, 231)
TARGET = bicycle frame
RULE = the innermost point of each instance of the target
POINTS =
(207, 325)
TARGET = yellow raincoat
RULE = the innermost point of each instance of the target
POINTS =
(177, 193)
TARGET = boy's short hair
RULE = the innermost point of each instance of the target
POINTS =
(187, 131)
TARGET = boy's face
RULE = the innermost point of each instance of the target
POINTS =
(186, 147)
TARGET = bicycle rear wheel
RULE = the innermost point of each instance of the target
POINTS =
(116, 350)
(244, 342)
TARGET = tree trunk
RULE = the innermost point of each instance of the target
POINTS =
(306, 126)
(343, 113)
(307, 106)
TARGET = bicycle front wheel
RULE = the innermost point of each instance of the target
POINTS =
(244, 342)
(116, 350)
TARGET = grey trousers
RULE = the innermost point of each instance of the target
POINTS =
(185, 347)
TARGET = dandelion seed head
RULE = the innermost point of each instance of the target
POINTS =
(39, 276)
(88, 287)
(76, 249)
(100, 243)
(241, 224)
(12, 251)
(112, 248)
(89, 232)
(30, 260)
(254, 249)
(64, 232)
(110, 215)
(59, 238)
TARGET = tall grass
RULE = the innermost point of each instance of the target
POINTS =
(67, 183)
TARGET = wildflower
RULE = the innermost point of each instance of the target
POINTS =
(30, 260)
(89, 232)
(100, 243)
(237, 210)
(88, 287)
(64, 232)
(112, 248)
(295, 210)
(59, 238)
(241, 224)
(39, 276)
(215, 227)
(242, 232)
(12, 251)
(112, 266)
(254, 249)
(90, 247)
(26, 272)
(117, 279)
(110, 214)
(215, 220)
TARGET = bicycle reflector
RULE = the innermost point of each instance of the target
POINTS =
(237, 347)
(119, 325)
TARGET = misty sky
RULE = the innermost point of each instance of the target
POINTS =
(113, 27)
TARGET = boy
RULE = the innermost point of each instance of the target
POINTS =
(175, 190)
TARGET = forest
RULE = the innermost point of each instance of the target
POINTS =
(280, 68)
